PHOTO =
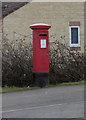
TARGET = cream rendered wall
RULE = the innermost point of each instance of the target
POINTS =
(57, 14)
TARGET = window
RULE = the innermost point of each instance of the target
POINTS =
(74, 36)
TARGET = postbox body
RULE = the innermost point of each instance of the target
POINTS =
(40, 48)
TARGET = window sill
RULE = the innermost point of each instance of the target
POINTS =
(75, 48)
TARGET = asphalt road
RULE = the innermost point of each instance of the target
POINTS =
(59, 102)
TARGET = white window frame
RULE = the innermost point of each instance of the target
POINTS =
(78, 44)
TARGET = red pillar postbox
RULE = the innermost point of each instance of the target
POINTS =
(40, 52)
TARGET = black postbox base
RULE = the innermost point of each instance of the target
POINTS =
(41, 79)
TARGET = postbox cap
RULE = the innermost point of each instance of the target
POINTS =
(40, 26)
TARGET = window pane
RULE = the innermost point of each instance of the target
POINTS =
(74, 35)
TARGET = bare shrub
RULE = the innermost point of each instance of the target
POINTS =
(16, 62)
(65, 65)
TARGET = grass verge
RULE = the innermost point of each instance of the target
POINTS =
(15, 89)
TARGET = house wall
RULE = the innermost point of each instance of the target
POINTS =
(58, 15)
(85, 28)
(0, 25)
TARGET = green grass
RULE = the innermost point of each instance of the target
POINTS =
(15, 89)
(67, 84)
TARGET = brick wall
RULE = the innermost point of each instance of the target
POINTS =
(58, 15)
(85, 27)
(0, 26)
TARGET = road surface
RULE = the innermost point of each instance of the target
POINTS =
(58, 102)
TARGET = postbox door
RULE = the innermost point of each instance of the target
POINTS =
(40, 52)
(44, 53)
